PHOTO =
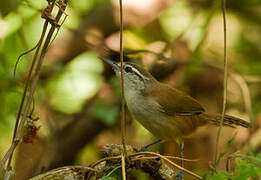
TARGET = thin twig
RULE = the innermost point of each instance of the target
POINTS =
(8, 154)
(225, 76)
(18, 131)
(123, 119)
(141, 154)
(26, 52)
(114, 169)
(37, 73)
(123, 167)
(170, 162)
(105, 159)
(169, 157)
(24, 96)
(49, 8)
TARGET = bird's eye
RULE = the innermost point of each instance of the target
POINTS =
(127, 69)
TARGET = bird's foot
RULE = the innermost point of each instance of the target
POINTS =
(145, 148)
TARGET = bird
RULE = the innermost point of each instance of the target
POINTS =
(163, 110)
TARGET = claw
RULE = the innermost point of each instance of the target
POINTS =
(145, 148)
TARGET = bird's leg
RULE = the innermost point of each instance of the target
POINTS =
(145, 148)
(181, 146)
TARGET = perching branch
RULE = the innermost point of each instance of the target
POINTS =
(153, 164)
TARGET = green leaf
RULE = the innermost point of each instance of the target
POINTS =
(245, 170)
(221, 175)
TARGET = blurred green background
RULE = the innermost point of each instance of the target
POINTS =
(78, 98)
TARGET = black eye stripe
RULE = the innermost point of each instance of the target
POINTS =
(128, 69)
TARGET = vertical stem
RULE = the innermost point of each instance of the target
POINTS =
(123, 119)
(123, 127)
(18, 131)
(225, 76)
(27, 86)
(123, 167)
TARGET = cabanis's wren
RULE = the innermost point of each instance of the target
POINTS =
(165, 111)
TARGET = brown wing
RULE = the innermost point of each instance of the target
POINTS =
(173, 101)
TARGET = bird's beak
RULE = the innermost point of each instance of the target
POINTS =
(114, 65)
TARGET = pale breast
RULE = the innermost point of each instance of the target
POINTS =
(148, 113)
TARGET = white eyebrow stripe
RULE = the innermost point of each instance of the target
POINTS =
(137, 72)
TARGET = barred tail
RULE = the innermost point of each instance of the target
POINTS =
(228, 120)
